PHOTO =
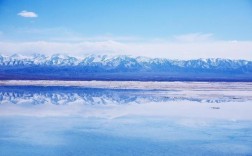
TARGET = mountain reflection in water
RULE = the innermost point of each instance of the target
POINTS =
(91, 96)
(87, 121)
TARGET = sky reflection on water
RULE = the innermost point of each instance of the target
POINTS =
(80, 121)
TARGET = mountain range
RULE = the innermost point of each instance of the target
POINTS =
(105, 67)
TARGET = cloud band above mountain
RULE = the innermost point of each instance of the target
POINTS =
(166, 49)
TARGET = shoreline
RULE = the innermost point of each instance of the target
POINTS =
(145, 85)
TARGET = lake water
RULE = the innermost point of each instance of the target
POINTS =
(77, 121)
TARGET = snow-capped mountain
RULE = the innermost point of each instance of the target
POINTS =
(64, 66)
(37, 59)
(115, 61)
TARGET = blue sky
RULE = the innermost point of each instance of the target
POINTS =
(125, 27)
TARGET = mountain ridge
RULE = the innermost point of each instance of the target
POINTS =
(67, 60)
(121, 67)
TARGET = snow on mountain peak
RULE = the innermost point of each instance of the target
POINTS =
(123, 61)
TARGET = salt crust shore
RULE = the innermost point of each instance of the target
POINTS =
(150, 85)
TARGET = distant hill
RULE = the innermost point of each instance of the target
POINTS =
(104, 67)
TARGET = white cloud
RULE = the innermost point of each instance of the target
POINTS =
(28, 14)
(167, 49)
(63, 34)
(188, 46)
(193, 37)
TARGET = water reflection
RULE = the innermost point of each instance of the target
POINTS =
(82, 121)
(63, 136)
(88, 96)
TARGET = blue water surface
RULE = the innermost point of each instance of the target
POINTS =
(25, 133)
